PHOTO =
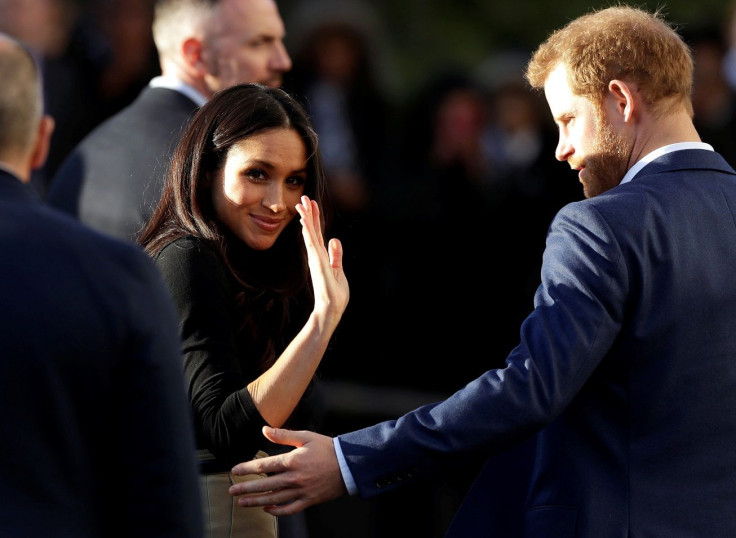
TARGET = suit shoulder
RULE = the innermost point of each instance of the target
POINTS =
(62, 233)
(154, 113)
(619, 202)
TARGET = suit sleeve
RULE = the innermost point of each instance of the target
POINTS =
(576, 317)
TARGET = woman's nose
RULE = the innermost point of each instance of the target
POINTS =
(274, 198)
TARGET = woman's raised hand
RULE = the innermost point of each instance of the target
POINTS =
(331, 290)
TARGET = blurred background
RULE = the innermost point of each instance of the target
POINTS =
(422, 37)
(441, 167)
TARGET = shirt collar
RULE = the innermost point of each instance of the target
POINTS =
(175, 84)
(649, 157)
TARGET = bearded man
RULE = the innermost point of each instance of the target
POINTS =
(624, 380)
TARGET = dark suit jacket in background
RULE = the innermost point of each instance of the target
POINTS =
(624, 380)
(113, 179)
(95, 430)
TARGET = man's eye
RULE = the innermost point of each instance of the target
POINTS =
(261, 42)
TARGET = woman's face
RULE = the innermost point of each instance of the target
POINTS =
(256, 192)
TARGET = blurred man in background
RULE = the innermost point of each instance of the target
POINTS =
(114, 177)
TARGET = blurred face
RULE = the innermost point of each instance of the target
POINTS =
(245, 44)
(256, 192)
(337, 57)
(43, 25)
(458, 127)
(587, 140)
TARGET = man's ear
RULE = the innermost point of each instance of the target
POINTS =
(622, 97)
(191, 50)
(43, 142)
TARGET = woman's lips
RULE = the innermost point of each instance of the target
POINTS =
(267, 224)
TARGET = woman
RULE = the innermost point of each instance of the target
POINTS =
(254, 326)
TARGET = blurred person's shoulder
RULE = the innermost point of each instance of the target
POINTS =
(61, 238)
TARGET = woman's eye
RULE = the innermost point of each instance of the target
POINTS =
(296, 181)
(255, 174)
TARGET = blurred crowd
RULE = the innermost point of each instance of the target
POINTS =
(442, 198)
(95, 58)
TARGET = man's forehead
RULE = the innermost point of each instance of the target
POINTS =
(557, 78)
(557, 89)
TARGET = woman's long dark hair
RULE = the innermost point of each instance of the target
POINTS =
(186, 208)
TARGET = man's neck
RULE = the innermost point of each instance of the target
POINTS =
(22, 173)
(172, 70)
(659, 132)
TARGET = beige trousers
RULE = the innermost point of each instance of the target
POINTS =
(223, 518)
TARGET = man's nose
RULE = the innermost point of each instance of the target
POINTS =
(281, 60)
(564, 149)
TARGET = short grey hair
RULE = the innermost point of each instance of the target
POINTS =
(173, 19)
(21, 96)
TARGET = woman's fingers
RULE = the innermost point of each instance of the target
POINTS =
(325, 262)
(335, 250)
(311, 226)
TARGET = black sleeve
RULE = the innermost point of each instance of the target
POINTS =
(226, 419)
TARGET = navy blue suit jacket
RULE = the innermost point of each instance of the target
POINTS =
(95, 430)
(622, 390)
(113, 179)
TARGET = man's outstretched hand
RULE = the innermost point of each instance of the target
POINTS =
(305, 476)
